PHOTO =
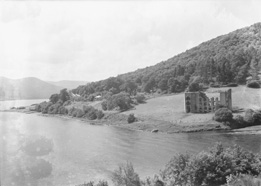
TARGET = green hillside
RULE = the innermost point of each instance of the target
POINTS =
(225, 59)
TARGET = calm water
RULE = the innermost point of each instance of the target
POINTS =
(46, 151)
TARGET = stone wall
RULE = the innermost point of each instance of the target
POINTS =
(199, 102)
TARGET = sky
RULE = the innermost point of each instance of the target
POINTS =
(94, 40)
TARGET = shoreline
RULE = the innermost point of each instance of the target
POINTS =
(144, 124)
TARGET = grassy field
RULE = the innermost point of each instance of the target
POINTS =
(170, 108)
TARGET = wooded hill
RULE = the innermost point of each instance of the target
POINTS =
(229, 58)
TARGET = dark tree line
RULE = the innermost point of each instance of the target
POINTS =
(226, 59)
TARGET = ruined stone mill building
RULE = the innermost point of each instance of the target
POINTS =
(199, 102)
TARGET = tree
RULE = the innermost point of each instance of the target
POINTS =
(173, 84)
(254, 68)
(148, 87)
(242, 74)
(64, 96)
(126, 176)
(163, 84)
(193, 87)
(54, 98)
(129, 87)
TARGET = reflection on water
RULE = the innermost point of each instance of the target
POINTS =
(37, 146)
(24, 163)
(41, 151)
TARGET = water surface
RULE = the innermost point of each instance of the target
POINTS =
(50, 151)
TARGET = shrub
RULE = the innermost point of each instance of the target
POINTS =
(243, 180)
(211, 167)
(71, 111)
(45, 106)
(253, 84)
(53, 109)
(87, 109)
(54, 98)
(91, 183)
(175, 171)
(91, 115)
(99, 114)
(102, 183)
(125, 176)
(66, 103)
(239, 121)
(62, 110)
(223, 115)
(104, 105)
(38, 108)
(214, 85)
(153, 181)
(232, 85)
(252, 117)
(91, 97)
(140, 98)
(121, 100)
(79, 113)
(131, 118)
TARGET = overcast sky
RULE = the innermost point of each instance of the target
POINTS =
(94, 40)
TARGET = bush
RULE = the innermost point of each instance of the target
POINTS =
(239, 121)
(214, 85)
(53, 109)
(232, 85)
(54, 98)
(91, 115)
(91, 97)
(175, 171)
(66, 103)
(104, 105)
(253, 117)
(72, 111)
(223, 115)
(99, 114)
(253, 84)
(100, 183)
(45, 106)
(87, 109)
(131, 118)
(211, 167)
(79, 113)
(62, 110)
(121, 100)
(125, 176)
(38, 108)
(140, 98)
(243, 180)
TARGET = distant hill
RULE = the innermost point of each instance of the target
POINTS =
(68, 83)
(229, 58)
(26, 88)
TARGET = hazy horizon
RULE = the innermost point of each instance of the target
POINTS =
(94, 40)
